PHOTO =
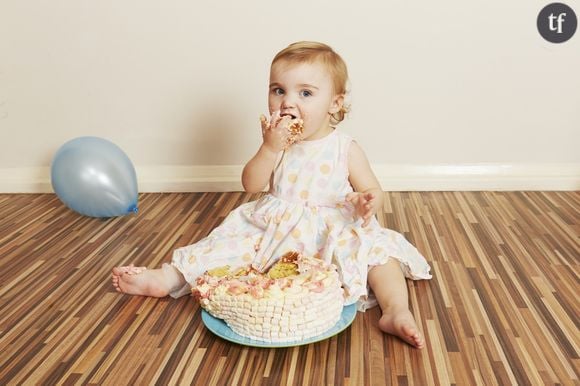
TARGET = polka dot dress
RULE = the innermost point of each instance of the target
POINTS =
(304, 211)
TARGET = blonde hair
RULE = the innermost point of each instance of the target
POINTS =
(309, 52)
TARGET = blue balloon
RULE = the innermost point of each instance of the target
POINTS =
(95, 178)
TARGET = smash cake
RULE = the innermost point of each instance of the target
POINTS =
(297, 298)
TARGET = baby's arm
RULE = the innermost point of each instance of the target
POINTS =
(368, 196)
(257, 172)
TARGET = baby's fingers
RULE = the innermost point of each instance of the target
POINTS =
(368, 207)
(264, 122)
(369, 196)
(350, 197)
(274, 119)
(282, 123)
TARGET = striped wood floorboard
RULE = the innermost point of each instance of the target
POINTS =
(501, 309)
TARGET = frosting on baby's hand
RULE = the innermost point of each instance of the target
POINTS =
(294, 127)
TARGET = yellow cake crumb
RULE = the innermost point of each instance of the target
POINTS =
(220, 271)
(281, 269)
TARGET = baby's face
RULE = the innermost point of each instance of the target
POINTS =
(305, 91)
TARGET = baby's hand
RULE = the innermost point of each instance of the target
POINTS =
(363, 205)
(275, 131)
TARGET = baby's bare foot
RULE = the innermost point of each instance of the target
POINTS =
(120, 271)
(140, 281)
(401, 323)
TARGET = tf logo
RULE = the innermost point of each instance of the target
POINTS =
(557, 22)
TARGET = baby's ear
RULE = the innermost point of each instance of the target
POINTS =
(337, 103)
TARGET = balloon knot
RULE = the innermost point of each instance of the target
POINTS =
(133, 209)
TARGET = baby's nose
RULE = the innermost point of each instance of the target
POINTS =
(288, 101)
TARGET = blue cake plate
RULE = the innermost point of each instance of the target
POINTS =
(221, 329)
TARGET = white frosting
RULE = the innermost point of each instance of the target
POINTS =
(276, 310)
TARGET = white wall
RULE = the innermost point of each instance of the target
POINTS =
(179, 85)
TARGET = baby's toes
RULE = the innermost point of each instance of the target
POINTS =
(419, 342)
(136, 270)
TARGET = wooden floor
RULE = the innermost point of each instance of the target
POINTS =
(502, 307)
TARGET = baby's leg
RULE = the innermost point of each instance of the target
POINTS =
(388, 283)
(157, 283)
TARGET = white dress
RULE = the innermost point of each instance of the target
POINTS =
(304, 211)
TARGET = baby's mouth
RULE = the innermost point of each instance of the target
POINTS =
(288, 115)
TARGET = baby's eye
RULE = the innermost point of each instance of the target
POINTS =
(305, 93)
(277, 91)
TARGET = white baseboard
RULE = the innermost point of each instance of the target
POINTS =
(479, 177)
(218, 178)
(25, 180)
(210, 178)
